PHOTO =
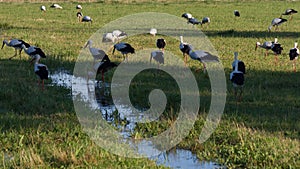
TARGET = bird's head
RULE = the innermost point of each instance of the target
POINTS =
(276, 40)
(3, 43)
(256, 45)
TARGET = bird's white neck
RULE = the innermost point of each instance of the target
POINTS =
(181, 39)
(296, 45)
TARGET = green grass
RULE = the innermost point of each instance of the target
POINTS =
(40, 129)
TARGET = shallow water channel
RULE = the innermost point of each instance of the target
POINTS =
(175, 158)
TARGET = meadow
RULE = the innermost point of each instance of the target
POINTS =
(39, 129)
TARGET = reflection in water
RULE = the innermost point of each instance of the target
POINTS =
(98, 95)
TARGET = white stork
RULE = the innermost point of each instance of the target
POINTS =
(277, 49)
(17, 44)
(276, 22)
(161, 43)
(187, 15)
(56, 6)
(43, 8)
(237, 77)
(40, 70)
(184, 48)
(294, 53)
(153, 31)
(97, 54)
(194, 21)
(236, 13)
(79, 7)
(205, 20)
(290, 12)
(266, 45)
(158, 56)
(114, 36)
(200, 55)
(82, 18)
(32, 51)
(124, 48)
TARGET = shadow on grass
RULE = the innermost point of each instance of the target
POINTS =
(271, 99)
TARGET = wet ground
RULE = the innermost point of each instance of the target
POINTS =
(97, 94)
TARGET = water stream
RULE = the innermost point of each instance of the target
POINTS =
(176, 158)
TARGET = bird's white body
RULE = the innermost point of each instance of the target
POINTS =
(43, 8)
(276, 22)
(113, 36)
(78, 7)
(56, 6)
(187, 15)
(153, 31)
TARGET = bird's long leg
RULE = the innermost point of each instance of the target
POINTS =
(276, 59)
(266, 53)
(241, 94)
(204, 67)
(294, 65)
(20, 53)
(185, 59)
(291, 17)
(16, 53)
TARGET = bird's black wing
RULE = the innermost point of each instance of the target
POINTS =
(38, 51)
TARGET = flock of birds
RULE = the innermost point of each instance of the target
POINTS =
(102, 63)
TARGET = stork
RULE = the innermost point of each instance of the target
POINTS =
(200, 55)
(104, 66)
(43, 8)
(124, 48)
(32, 51)
(79, 7)
(277, 49)
(153, 31)
(276, 22)
(55, 6)
(290, 12)
(237, 78)
(17, 44)
(187, 15)
(114, 36)
(82, 18)
(185, 48)
(294, 53)
(236, 13)
(266, 45)
(194, 21)
(205, 20)
(40, 70)
(97, 54)
(161, 43)
(158, 56)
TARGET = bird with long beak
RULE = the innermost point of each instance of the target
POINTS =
(294, 53)
(237, 77)
(184, 48)
(40, 70)
(16, 44)
(97, 54)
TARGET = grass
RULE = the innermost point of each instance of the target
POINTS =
(40, 129)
